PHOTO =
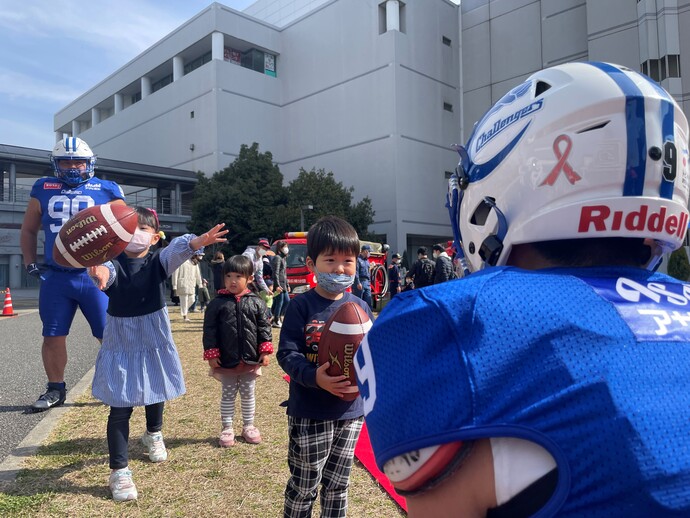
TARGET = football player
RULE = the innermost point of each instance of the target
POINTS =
(555, 380)
(53, 201)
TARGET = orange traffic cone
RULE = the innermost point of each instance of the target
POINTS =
(7, 310)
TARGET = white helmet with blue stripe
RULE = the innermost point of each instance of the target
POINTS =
(73, 148)
(579, 150)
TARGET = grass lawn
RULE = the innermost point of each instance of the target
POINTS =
(69, 474)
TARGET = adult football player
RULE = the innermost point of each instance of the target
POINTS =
(53, 201)
(555, 379)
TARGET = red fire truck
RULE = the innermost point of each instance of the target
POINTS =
(301, 279)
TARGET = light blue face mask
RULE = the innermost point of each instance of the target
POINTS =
(335, 283)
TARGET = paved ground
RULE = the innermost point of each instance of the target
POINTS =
(22, 377)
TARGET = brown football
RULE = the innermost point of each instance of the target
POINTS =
(94, 235)
(340, 339)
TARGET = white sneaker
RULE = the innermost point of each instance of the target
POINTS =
(155, 446)
(122, 486)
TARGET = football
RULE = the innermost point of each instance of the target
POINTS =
(94, 235)
(340, 339)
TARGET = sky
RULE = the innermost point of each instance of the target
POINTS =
(52, 51)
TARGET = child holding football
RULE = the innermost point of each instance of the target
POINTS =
(237, 341)
(138, 364)
(323, 428)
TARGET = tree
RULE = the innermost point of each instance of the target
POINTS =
(328, 197)
(678, 265)
(249, 197)
(245, 195)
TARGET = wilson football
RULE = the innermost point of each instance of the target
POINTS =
(94, 235)
(340, 339)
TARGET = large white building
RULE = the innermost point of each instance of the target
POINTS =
(365, 89)
(373, 90)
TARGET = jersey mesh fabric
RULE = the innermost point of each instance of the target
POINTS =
(552, 358)
(59, 202)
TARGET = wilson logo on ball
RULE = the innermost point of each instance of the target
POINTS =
(340, 339)
(95, 235)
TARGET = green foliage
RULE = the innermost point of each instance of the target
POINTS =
(678, 265)
(328, 197)
(249, 197)
(245, 196)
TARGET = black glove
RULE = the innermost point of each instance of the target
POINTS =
(34, 270)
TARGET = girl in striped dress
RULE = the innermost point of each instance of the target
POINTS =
(138, 364)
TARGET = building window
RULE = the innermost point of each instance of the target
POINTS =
(135, 98)
(673, 65)
(161, 83)
(662, 68)
(196, 63)
(254, 60)
(191, 114)
(446, 41)
(232, 55)
(654, 69)
(448, 107)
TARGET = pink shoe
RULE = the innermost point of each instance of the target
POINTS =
(251, 434)
(227, 438)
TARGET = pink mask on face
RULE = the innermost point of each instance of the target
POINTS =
(141, 241)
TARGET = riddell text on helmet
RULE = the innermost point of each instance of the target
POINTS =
(600, 218)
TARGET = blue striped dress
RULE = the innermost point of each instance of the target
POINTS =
(138, 363)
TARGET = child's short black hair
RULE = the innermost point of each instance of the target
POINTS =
(239, 264)
(147, 217)
(421, 250)
(332, 234)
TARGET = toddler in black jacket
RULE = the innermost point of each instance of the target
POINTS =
(237, 342)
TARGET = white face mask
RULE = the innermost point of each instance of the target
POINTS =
(141, 241)
(285, 250)
(436, 254)
(261, 251)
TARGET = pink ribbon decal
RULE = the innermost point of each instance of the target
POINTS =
(562, 164)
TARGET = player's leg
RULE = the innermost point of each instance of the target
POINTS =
(56, 309)
(93, 304)
(366, 296)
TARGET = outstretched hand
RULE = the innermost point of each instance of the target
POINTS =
(100, 274)
(215, 235)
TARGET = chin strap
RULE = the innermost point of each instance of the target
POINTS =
(492, 246)
(457, 183)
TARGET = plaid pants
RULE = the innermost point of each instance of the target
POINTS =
(319, 452)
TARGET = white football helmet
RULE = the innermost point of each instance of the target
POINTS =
(579, 150)
(73, 148)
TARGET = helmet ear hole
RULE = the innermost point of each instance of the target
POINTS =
(541, 87)
(481, 213)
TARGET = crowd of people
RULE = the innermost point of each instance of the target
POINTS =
(552, 381)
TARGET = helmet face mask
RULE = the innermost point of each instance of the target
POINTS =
(581, 150)
(72, 149)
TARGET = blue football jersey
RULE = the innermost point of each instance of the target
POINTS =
(59, 202)
(592, 364)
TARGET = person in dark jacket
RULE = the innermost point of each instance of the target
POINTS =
(422, 271)
(237, 342)
(394, 275)
(217, 269)
(281, 288)
(443, 271)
